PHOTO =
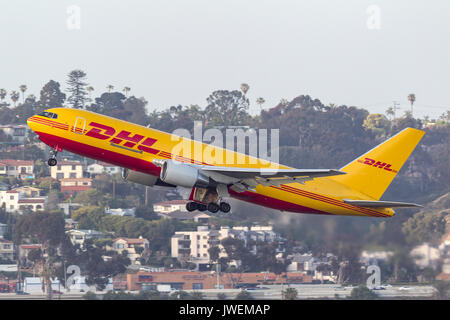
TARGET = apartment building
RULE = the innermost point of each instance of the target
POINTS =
(66, 170)
(193, 246)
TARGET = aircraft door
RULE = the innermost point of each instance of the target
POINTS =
(80, 125)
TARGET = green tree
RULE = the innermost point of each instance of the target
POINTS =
(14, 97)
(227, 108)
(77, 88)
(363, 293)
(425, 226)
(377, 123)
(22, 89)
(51, 96)
(243, 295)
(290, 294)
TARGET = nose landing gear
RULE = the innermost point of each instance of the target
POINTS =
(52, 161)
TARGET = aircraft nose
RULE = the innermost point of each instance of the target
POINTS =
(31, 123)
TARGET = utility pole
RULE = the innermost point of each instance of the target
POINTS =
(395, 107)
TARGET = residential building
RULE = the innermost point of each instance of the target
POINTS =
(28, 191)
(17, 132)
(196, 216)
(169, 206)
(193, 246)
(71, 186)
(135, 247)
(70, 224)
(426, 256)
(373, 257)
(102, 167)
(80, 236)
(130, 212)
(21, 169)
(3, 230)
(67, 169)
(69, 207)
(14, 201)
(6, 249)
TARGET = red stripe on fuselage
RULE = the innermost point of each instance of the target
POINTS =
(100, 154)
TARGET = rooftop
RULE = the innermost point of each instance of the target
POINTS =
(171, 202)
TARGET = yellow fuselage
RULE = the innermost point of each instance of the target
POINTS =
(134, 147)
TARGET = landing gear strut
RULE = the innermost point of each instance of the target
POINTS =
(52, 161)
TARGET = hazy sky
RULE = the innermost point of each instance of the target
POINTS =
(177, 52)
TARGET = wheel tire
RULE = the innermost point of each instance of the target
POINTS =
(191, 206)
(225, 207)
(201, 207)
(52, 162)
(213, 207)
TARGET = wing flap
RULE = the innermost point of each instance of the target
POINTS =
(381, 204)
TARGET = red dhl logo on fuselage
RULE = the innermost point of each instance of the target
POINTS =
(377, 164)
(104, 132)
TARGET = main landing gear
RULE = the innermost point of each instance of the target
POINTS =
(52, 161)
(211, 207)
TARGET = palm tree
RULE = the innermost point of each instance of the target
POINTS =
(126, 90)
(244, 88)
(14, 97)
(260, 101)
(3, 94)
(411, 99)
(390, 112)
(23, 88)
(110, 87)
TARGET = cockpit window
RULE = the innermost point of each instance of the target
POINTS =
(50, 115)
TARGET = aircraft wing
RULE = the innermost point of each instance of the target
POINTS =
(245, 178)
(381, 204)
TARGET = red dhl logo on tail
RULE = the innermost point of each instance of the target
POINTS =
(377, 164)
(103, 132)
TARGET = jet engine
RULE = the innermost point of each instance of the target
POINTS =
(139, 177)
(183, 175)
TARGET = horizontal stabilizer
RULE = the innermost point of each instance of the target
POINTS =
(381, 204)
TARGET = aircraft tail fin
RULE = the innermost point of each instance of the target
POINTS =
(373, 172)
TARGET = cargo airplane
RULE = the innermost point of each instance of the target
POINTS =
(152, 157)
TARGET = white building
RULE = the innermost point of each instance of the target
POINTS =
(194, 245)
(102, 167)
(80, 236)
(3, 230)
(18, 133)
(426, 256)
(130, 212)
(34, 285)
(22, 169)
(170, 206)
(67, 169)
(15, 201)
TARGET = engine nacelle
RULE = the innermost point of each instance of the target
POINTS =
(139, 177)
(183, 175)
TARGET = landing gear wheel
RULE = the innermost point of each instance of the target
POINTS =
(213, 207)
(201, 207)
(191, 206)
(224, 207)
(52, 162)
